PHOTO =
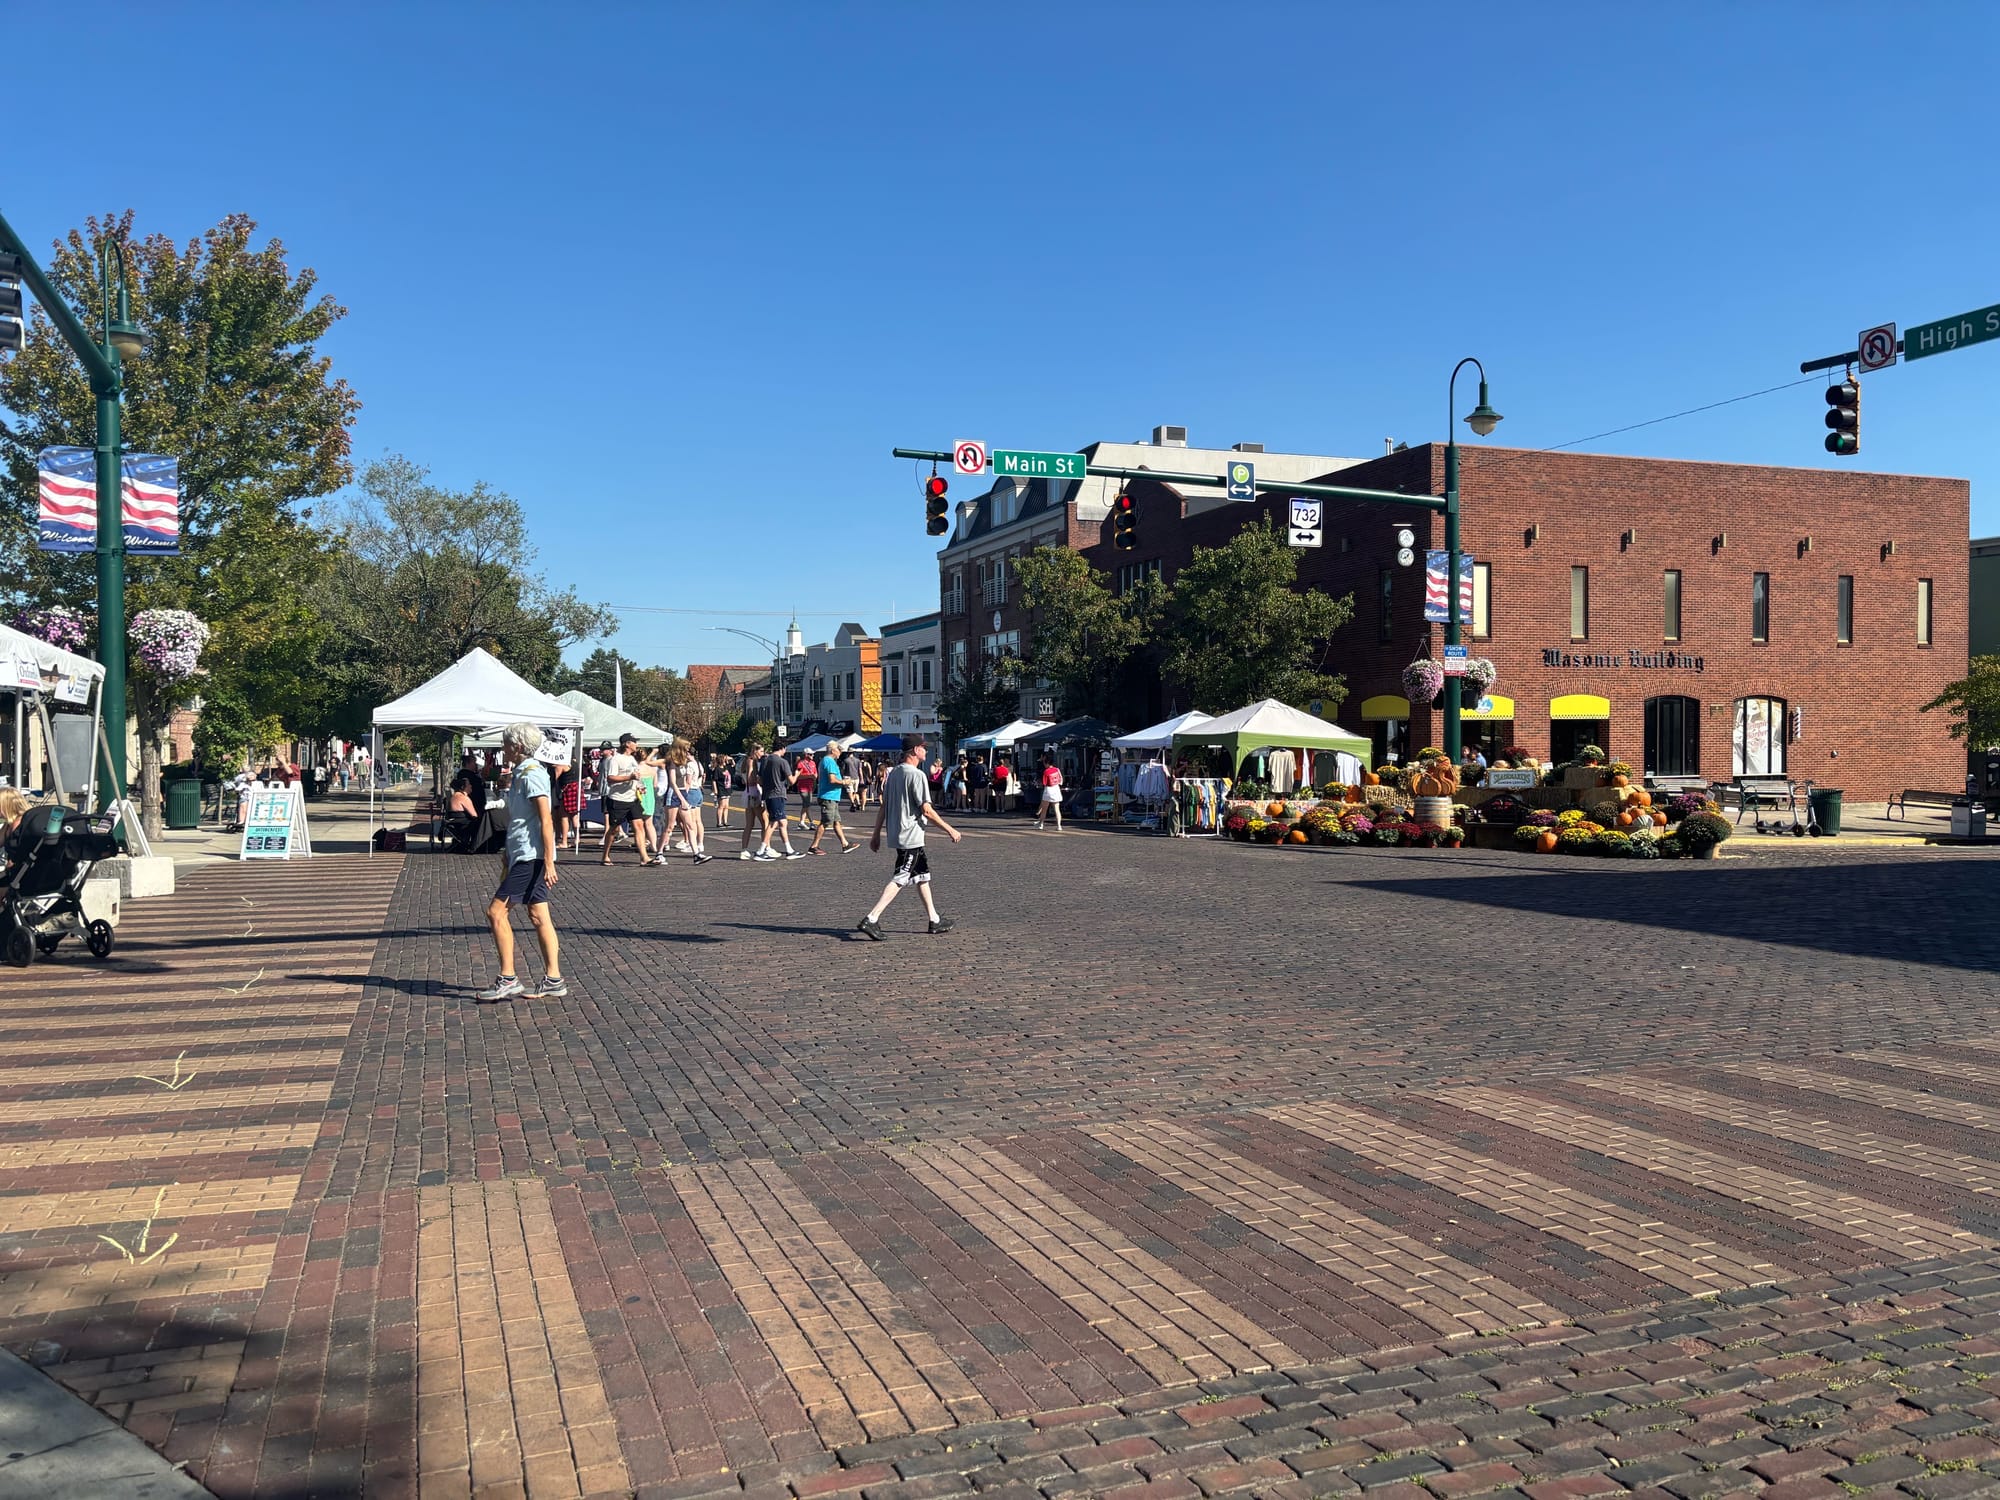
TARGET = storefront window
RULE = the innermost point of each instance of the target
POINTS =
(1390, 739)
(1482, 601)
(1673, 736)
(1568, 736)
(1757, 745)
(1579, 604)
(1670, 605)
(1760, 606)
(1843, 611)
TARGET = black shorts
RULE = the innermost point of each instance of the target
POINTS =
(526, 882)
(913, 867)
(617, 814)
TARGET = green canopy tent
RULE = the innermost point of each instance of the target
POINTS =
(1271, 725)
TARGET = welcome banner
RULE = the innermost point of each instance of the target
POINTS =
(151, 502)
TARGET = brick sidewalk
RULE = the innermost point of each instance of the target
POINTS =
(1178, 1169)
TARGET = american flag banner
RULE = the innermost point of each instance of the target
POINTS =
(1436, 605)
(151, 494)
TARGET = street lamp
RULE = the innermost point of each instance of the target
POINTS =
(1482, 419)
(778, 658)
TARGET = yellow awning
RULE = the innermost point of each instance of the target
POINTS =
(1579, 706)
(1497, 707)
(1385, 706)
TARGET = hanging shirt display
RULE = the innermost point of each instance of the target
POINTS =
(1284, 771)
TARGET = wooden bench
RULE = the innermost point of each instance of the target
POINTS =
(1671, 785)
(1921, 798)
(1756, 793)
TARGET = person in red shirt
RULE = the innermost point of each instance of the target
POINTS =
(1003, 782)
(1052, 793)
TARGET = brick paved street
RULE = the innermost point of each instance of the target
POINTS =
(1179, 1169)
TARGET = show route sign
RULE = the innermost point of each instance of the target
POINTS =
(1012, 463)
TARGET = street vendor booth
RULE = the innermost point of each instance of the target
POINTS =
(35, 675)
(602, 724)
(1144, 782)
(1319, 752)
(477, 694)
(1082, 750)
(1005, 737)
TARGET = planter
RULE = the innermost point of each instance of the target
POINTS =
(1433, 812)
(1701, 851)
(1490, 836)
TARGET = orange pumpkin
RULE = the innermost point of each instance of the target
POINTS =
(1354, 792)
(1275, 810)
(1546, 844)
(1369, 778)
(1621, 780)
(1643, 798)
(1297, 836)
(1659, 818)
(1625, 819)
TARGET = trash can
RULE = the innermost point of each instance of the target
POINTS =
(1826, 809)
(184, 804)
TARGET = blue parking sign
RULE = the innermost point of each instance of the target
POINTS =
(1242, 480)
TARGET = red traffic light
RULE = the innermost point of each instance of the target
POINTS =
(1123, 502)
(934, 487)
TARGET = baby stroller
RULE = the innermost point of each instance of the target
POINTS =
(47, 859)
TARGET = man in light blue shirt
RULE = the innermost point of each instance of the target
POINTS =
(830, 783)
(530, 869)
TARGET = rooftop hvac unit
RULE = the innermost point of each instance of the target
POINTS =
(1169, 437)
(1247, 447)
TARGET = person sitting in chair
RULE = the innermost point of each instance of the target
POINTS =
(462, 815)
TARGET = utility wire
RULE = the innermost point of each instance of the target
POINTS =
(1655, 421)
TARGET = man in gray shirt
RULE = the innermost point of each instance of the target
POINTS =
(906, 804)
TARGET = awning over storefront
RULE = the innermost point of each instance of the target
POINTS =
(1497, 706)
(1579, 706)
(1385, 706)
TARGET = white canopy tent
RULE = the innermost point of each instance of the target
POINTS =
(813, 744)
(601, 722)
(1271, 725)
(1161, 736)
(474, 693)
(31, 668)
(1005, 737)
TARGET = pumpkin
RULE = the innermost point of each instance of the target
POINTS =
(1621, 780)
(1369, 778)
(1546, 844)
(1297, 836)
(1354, 792)
(1435, 778)
(1659, 818)
(1625, 819)
(1643, 798)
(1275, 810)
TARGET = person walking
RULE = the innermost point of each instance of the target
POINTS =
(529, 871)
(1052, 793)
(856, 785)
(684, 804)
(906, 804)
(833, 783)
(720, 776)
(622, 773)
(774, 777)
(753, 799)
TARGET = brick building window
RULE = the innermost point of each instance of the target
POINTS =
(1923, 611)
(958, 654)
(1670, 604)
(1760, 606)
(954, 595)
(1757, 739)
(1385, 598)
(1482, 601)
(1579, 604)
(1843, 611)
(892, 679)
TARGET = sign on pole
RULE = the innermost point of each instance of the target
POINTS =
(1436, 605)
(1455, 658)
(1947, 334)
(1010, 463)
(968, 456)
(1305, 521)
(151, 497)
(1878, 347)
(1242, 480)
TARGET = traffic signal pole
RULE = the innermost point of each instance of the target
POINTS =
(107, 384)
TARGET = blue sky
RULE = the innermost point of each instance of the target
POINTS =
(679, 276)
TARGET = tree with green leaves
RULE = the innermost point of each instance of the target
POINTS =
(232, 384)
(427, 573)
(983, 697)
(1083, 636)
(1238, 628)
(1974, 704)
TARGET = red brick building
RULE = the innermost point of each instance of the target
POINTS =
(1688, 617)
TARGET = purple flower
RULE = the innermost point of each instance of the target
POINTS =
(59, 626)
(167, 642)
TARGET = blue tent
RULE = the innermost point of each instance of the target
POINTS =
(879, 742)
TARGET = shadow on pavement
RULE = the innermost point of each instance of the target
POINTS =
(1936, 912)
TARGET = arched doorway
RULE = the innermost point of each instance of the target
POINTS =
(1673, 736)
(1757, 738)
(1576, 720)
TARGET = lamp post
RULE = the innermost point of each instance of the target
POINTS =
(778, 657)
(1482, 419)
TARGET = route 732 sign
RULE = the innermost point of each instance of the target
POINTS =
(1305, 522)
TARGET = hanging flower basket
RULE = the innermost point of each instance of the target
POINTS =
(1423, 679)
(1469, 693)
(1480, 671)
(59, 626)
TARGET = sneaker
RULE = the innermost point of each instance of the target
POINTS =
(702, 859)
(849, 848)
(766, 857)
(870, 928)
(551, 989)
(820, 852)
(746, 854)
(506, 988)
(793, 854)
(942, 924)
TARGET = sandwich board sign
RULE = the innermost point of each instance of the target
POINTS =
(274, 824)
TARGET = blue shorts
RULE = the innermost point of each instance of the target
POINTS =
(527, 882)
(693, 795)
(775, 806)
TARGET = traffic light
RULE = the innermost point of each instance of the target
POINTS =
(934, 505)
(1124, 524)
(1844, 417)
(13, 318)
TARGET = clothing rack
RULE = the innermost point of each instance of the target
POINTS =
(1199, 805)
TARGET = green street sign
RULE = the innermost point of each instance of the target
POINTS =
(1012, 465)
(1952, 333)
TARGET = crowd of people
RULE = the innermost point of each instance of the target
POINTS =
(655, 798)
